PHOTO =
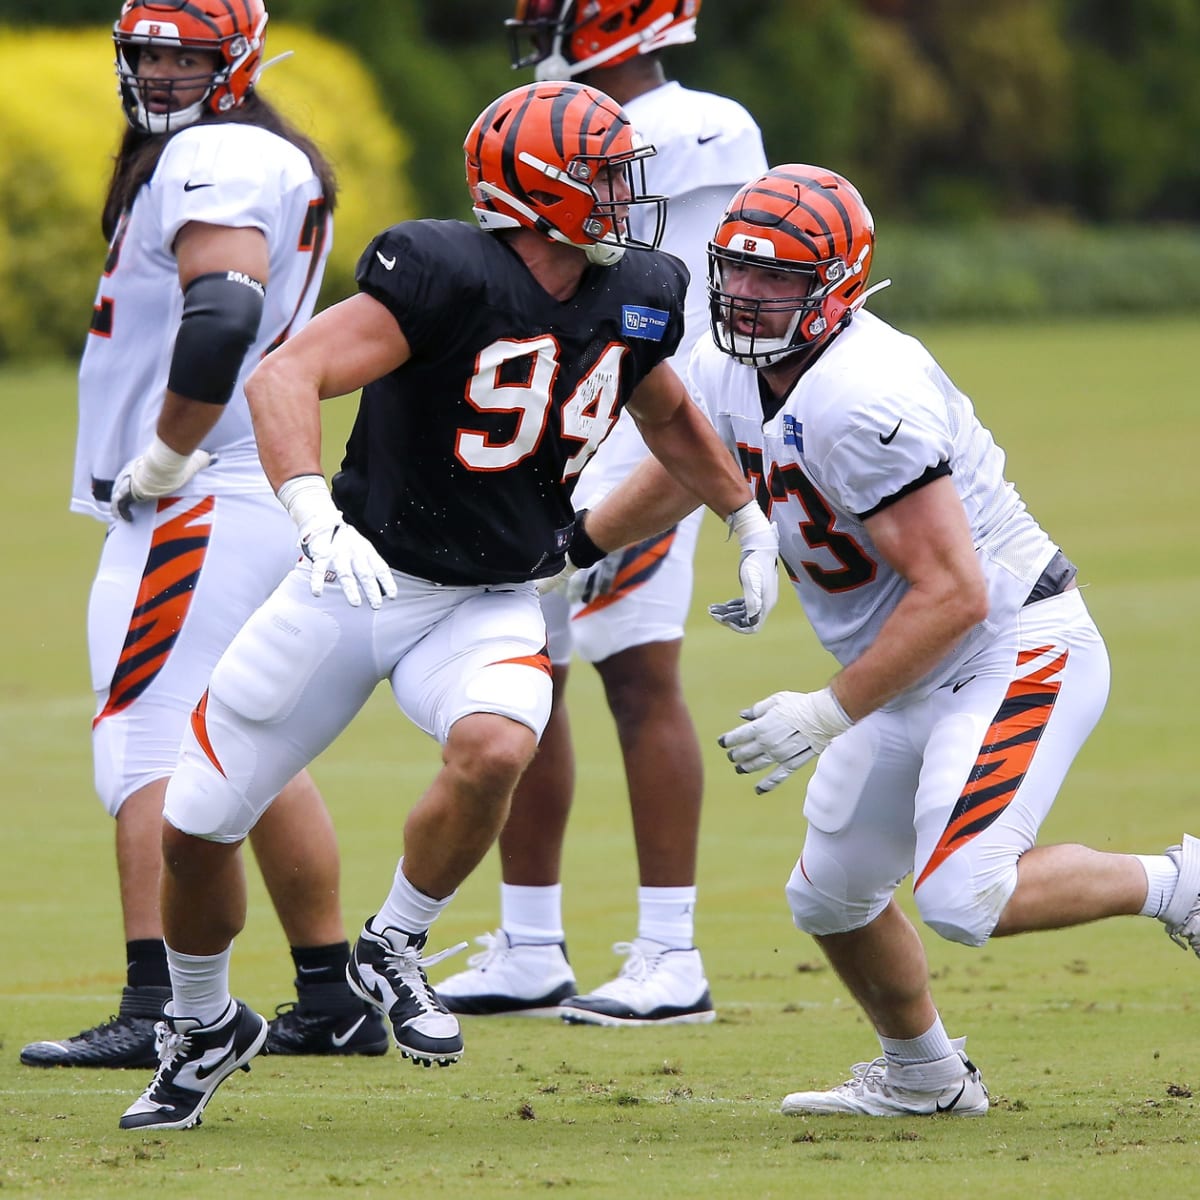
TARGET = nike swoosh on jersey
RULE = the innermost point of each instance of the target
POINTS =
(962, 683)
(191, 187)
(340, 1039)
(706, 138)
(887, 441)
(388, 263)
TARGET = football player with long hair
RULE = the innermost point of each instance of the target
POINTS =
(218, 219)
(493, 359)
(626, 616)
(971, 672)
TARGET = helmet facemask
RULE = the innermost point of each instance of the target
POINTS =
(813, 309)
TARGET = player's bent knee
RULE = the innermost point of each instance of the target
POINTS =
(821, 915)
(964, 914)
(202, 802)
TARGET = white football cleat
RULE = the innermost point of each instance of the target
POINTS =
(507, 980)
(1182, 914)
(877, 1089)
(656, 986)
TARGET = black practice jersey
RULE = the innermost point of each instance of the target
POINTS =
(461, 463)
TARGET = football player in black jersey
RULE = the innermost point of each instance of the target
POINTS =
(493, 360)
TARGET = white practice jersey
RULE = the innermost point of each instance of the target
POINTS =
(707, 147)
(869, 418)
(219, 174)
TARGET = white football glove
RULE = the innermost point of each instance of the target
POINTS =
(158, 472)
(786, 730)
(333, 546)
(559, 582)
(757, 571)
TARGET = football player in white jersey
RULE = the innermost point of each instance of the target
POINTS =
(971, 672)
(627, 616)
(218, 216)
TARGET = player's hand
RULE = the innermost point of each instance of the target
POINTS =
(559, 582)
(359, 567)
(597, 580)
(757, 572)
(582, 553)
(785, 730)
(159, 472)
(334, 547)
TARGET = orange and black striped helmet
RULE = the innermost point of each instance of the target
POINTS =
(805, 221)
(562, 159)
(234, 30)
(564, 38)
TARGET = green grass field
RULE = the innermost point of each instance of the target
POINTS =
(1086, 1037)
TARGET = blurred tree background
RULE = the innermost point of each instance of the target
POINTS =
(1021, 156)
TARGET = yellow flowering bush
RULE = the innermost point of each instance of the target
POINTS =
(61, 124)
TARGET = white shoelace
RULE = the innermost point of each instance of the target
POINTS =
(410, 965)
(867, 1076)
(495, 945)
(639, 965)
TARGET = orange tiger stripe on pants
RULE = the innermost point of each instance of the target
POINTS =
(638, 564)
(1004, 757)
(176, 555)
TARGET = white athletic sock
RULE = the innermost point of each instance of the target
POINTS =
(1161, 877)
(407, 908)
(532, 915)
(932, 1045)
(199, 984)
(668, 915)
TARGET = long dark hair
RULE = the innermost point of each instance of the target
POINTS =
(139, 154)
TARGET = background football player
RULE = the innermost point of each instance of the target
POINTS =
(628, 614)
(218, 217)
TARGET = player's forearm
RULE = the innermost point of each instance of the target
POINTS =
(285, 408)
(922, 629)
(183, 424)
(697, 460)
(646, 502)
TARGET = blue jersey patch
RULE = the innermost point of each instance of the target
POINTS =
(641, 322)
(793, 432)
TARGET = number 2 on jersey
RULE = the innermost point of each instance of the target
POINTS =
(586, 416)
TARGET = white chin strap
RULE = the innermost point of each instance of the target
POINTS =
(602, 254)
(167, 122)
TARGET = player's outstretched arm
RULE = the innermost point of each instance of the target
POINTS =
(690, 463)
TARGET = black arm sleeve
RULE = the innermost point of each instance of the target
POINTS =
(221, 314)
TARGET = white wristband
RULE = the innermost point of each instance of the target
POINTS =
(309, 504)
(162, 469)
(752, 530)
(828, 710)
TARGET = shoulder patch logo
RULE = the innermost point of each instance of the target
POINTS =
(641, 322)
(793, 432)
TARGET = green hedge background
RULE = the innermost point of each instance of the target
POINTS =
(1023, 158)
